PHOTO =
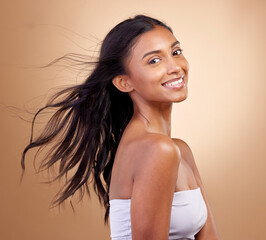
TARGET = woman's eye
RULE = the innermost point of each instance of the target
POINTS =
(178, 52)
(155, 60)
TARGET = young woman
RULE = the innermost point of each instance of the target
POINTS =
(116, 129)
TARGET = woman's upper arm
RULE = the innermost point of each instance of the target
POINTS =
(209, 230)
(155, 176)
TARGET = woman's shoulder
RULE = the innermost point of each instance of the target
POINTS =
(185, 151)
(181, 143)
(152, 149)
(154, 142)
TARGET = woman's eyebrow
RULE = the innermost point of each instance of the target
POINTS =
(158, 51)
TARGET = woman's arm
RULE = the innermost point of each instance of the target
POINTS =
(156, 165)
(209, 231)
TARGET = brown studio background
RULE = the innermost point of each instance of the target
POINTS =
(223, 118)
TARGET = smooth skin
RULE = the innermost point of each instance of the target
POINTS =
(149, 165)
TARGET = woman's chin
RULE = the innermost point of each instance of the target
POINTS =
(180, 98)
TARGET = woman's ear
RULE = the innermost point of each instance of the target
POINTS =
(122, 84)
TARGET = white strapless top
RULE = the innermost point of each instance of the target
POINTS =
(188, 216)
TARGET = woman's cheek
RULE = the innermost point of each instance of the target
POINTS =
(185, 64)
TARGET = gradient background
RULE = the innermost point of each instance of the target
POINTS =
(223, 119)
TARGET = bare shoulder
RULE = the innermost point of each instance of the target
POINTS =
(155, 148)
(185, 151)
(160, 142)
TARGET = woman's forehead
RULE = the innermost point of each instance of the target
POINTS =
(158, 38)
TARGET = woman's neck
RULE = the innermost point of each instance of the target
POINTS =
(156, 118)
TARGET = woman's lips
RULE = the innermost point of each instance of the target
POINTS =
(175, 83)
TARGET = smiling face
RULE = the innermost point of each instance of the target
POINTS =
(156, 69)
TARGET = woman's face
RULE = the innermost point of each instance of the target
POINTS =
(156, 68)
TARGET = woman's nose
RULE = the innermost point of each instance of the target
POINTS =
(173, 67)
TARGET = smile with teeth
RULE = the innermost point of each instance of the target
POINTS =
(175, 83)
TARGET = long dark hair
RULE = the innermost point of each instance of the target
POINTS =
(90, 118)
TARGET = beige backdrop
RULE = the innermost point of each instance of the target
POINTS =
(223, 119)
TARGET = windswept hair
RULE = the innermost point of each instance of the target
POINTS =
(90, 118)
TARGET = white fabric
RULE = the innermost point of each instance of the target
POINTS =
(188, 216)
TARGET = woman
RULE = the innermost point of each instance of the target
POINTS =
(116, 126)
